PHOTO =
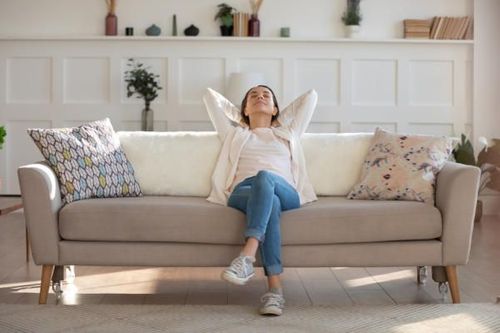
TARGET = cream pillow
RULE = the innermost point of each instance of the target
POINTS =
(334, 160)
(172, 163)
(402, 167)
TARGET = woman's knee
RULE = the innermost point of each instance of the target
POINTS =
(264, 177)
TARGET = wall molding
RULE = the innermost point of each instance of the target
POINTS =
(361, 83)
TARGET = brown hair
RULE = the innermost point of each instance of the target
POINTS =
(245, 118)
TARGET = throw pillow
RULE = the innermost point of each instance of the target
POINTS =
(88, 161)
(401, 167)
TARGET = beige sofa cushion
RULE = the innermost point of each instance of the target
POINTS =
(330, 220)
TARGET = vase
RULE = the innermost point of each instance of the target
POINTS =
(153, 30)
(111, 25)
(147, 119)
(254, 26)
(192, 30)
(352, 31)
(226, 31)
(174, 25)
(479, 211)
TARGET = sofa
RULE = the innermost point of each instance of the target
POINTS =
(173, 224)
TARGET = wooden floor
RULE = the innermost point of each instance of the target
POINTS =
(19, 281)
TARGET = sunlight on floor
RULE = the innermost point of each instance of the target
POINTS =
(374, 279)
(444, 322)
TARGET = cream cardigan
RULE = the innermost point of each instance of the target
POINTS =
(292, 123)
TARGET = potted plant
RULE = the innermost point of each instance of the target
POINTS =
(488, 161)
(144, 84)
(3, 133)
(225, 16)
(352, 18)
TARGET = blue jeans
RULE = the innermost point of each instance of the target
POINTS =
(262, 198)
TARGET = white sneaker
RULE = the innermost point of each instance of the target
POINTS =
(273, 304)
(240, 271)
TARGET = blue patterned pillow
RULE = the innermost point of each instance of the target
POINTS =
(88, 161)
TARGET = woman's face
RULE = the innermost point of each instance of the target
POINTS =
(260, 100)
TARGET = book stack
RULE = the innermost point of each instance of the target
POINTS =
(417, 28)
(451, 28)
(240, 24)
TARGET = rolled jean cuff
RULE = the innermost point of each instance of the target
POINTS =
(254, 233)
(275, 269)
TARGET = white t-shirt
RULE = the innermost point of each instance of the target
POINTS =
(264, 151)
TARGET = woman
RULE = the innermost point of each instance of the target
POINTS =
(261, 172)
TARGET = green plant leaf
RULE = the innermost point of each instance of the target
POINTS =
(464, 152)
(3, 134)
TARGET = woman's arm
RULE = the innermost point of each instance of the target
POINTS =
(297, 115)
(222, 112)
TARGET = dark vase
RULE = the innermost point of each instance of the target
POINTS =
(147, 119)
(111, 25)
(226, 31)
(192, 30)
(254, 26)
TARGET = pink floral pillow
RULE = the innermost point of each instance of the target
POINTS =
(402, 167)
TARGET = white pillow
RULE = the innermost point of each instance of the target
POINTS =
(181, 163)
(172, 163)
(334, 160)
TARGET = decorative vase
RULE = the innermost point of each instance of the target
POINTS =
(147, 118)
(479, 211)
(226, 31)
(174, 25)
(153, 30)
(352, 31)
(192, 30)
(111, 24)
(254, 26)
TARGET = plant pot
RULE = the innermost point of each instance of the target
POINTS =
(226, 31)
(147, 118)
(352, 31)
(479, 211)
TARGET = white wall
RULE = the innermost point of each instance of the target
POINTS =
(487, 69)
(307, 19)
(486, 120)
(312, 18)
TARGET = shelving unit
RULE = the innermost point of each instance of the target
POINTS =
(229, 39)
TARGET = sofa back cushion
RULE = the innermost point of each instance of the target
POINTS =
(334, 160)
(181, 163)
(172, 163)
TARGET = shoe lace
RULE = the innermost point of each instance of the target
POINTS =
(239, 264)
(272, 299)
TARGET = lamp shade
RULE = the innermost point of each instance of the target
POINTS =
(240, 83)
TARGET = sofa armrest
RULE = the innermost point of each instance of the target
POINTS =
(456, 196)
(42, 201)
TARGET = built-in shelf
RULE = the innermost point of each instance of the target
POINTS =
(229, 39)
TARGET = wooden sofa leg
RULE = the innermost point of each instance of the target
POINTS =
(45, 284)
(451, 272)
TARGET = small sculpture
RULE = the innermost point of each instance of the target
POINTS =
(192, 30)
(153, 30)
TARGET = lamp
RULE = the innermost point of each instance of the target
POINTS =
(240, 83)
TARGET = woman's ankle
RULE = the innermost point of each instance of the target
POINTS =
(251, 246)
